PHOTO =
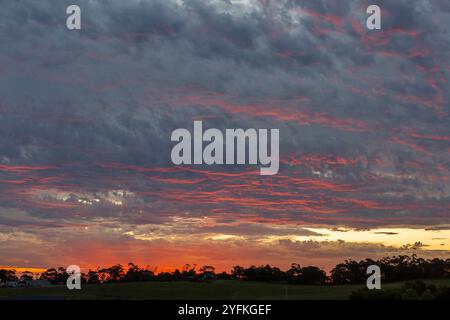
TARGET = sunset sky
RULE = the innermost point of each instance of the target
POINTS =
(86, 117)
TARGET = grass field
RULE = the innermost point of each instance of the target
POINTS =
(225, 289)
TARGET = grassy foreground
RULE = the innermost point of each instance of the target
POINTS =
(225, 289)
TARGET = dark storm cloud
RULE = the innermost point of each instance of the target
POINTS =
(363, 114)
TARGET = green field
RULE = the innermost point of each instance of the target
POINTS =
(225, 289)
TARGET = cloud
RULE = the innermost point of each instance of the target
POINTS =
(86, 116)
(387, 233)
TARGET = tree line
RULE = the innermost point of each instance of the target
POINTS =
(396, 268)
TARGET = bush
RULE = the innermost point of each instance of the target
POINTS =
(442, 293)
(417, 290)
(366, 294)
(427, 295)
(410, 294)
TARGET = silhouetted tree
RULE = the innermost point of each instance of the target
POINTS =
(164, 276)
(8, 275)
(263, 273)
(188, 272)
(207, 270)
(307, 275)
(135, 273)
(115, 273)
(176, 275)
(26, 276)
(397, 268)
(93, 277)
(53, 275)
(223, 276)
(237, 272)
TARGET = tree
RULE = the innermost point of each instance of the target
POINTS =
(135, 273)
(397, 268)
(306, 275)
(263, 273)
(26, 276)
(351, 271)
(115, 273)
(237, 272)
(49, 274)
(55, 275)
(207, 270)
(223, 276)
(207, 273)
(294, 273)
(8, 275)
(93, 277)
(189, 271)
(312, 275)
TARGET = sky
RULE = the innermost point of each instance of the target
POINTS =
(86, 118)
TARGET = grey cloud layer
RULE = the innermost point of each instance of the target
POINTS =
(86, 101)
